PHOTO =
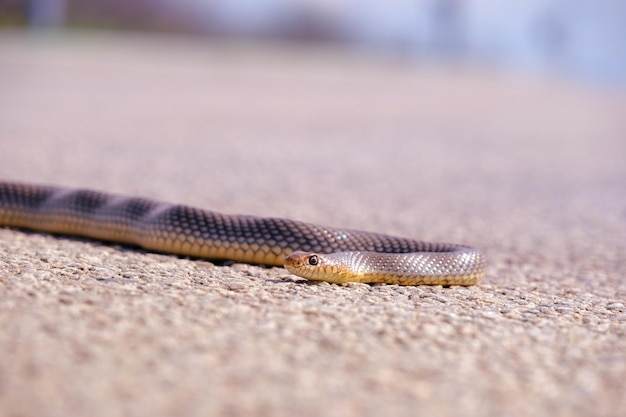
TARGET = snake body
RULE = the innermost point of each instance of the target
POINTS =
(311, 251)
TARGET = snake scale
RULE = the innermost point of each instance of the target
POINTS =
(313, 252)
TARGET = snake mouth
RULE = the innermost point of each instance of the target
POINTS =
(304, 264)
(296, 261)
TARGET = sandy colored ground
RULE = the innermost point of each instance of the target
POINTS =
(530, 171)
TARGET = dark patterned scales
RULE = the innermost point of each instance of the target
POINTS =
(321, 253)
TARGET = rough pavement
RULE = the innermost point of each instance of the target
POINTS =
(531, 171)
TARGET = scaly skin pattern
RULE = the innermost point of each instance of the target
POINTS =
(340, 255)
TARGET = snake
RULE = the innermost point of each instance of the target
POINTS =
(310, 251)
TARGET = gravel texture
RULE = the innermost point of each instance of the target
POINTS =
(531, 171)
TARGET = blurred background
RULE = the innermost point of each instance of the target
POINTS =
(584, 39)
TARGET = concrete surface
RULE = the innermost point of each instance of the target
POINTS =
(532, 171)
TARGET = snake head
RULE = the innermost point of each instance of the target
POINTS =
(313, 266)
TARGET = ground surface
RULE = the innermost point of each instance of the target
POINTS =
(531, 172)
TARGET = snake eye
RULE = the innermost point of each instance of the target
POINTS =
(313, 260)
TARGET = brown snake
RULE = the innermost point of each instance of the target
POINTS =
(310, 251)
